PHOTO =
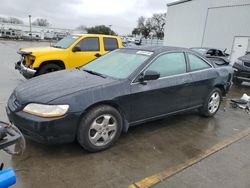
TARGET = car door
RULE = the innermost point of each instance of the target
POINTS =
(89, 50)
(167, 94)
(203, 75)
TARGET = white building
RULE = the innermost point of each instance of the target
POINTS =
(223, 24)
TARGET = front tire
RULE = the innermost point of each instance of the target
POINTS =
(48, 68)
(99, 128)
(212, 103)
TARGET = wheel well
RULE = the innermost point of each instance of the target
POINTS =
(223, 91)
(57, 62)
(112, 104)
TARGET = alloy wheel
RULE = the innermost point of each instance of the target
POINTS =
(214, 102)
(103, 130)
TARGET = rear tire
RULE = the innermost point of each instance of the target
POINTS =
(99, 128)
(48, 68)
(212, 103)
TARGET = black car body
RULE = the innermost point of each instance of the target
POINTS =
(242, 69)
(218, 56)
(138, 100)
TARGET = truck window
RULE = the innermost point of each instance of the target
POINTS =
(89, 44)
(110, 44)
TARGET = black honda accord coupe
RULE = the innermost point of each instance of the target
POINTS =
(128, 86)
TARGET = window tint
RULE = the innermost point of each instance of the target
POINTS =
(169, 64)
(110, 44)
(89, 44)
(197, 63)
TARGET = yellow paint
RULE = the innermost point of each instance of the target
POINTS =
(69, 58)
(154, 179)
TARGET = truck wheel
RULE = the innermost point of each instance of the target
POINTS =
(47, 68)
(212, 103)
(99, 128)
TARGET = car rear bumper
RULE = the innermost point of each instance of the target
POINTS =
(25, 71)
(46, 130)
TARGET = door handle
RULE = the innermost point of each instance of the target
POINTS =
(98, 55)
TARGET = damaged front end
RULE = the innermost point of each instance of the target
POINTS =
(24, 65)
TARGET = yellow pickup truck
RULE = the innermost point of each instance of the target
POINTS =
(72, 51)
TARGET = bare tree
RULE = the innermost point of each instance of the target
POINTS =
(146, 26)
(158, 23)
(12, 20)
(41, 22)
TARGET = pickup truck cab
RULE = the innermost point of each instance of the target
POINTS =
(70, 52)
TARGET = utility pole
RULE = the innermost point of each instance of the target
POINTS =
(30, 27)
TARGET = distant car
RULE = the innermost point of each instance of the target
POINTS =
(70, 52)
(242, 69)
(128, 86)
(138, 41)
(218, 56)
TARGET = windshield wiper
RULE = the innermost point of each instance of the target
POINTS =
(55, 46)
(94, 73)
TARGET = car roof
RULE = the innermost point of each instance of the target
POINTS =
(158, 49)
(95, 35)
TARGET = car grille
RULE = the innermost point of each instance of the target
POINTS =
(247, 64)
(13, 103)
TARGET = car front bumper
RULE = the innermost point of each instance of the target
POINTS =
(25, 71)
(241, 73)
(46, 130)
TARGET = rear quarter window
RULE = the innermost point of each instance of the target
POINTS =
(110, 44)
(196, 63)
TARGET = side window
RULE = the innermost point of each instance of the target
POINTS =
(89, 44)
(197, 63)
(110, 44)
(169, 64)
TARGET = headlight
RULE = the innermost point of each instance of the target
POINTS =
(47, 111)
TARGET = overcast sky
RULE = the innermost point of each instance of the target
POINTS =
(121, 14)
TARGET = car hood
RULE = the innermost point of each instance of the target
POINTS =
(45, 88)
(39, 50)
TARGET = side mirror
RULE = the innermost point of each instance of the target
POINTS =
(149, 75)
(76, 49)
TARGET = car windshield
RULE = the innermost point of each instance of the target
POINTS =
(200, 50)
(119, 63)
(66, 41)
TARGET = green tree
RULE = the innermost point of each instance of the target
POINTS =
(136, 31)
(100, 29)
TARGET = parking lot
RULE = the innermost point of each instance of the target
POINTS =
(185, 150)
